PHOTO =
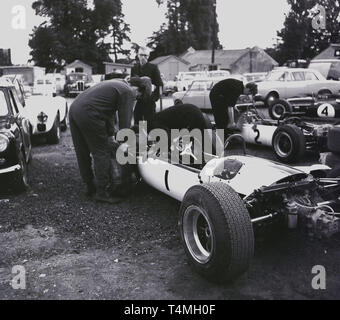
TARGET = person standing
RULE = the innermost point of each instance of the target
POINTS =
(223, 98)
(92, 117)
(143, 68)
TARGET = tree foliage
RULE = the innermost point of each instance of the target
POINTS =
(299, 39)
(189, 23)
(74, 30)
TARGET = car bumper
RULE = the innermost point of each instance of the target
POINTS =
(10, 169)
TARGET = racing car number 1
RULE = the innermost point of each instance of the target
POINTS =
(326, 110)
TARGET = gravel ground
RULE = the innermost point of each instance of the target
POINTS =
(73, 248)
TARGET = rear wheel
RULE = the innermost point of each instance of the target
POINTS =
(53, 137)
(19, 179)
(289, 143)
(216, 231)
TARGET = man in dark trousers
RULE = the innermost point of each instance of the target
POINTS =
(223, 98)
(92, 123)
(145, 69)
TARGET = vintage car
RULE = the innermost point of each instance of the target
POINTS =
(48, 116)
(288, 83)
(199, 91)
(227, 200)
(44, 86)
(290, 137)
(15, 142)
(326, 107)
(77, 83)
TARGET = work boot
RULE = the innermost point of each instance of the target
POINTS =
(91, 190)
(106, 198)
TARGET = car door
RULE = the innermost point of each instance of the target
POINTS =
(21, 120)
(297, 86)
(195, 94)
(313, 83)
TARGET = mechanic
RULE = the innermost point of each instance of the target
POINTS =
(145, 106)
(92, 117)
(145, 69)
(224, 96)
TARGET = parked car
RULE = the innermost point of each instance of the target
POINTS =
(329, 68)
(15, 142)
(77, 83)
(255, 77)
(198, 94)
(290, 83)
(48, 116)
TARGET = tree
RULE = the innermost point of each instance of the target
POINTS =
(76, 31)
(190, 23)
(300, 39)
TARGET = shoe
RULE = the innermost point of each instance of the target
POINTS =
(105, 198)
(91, 190)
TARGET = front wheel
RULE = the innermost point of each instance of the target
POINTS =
(289, 143)
(19, 179)
(278, 108)
(53, 137)
(216, 231)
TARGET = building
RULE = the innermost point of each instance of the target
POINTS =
(29, 73)
(78, 66)
(241, 61)
(332, 52)
(117, 68)
(170, 66)
(5, 57)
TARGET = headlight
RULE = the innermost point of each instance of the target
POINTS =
(42, 117)
(4, 142)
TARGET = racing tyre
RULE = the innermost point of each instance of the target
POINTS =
(334, 140)
(53, 137)
(178, 102)
(278, 108)
(289, 143)
(19, 179)
(63, 124)
(216, 231)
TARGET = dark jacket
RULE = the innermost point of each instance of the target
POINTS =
(227, 91)
(106, 98)
(149, 70)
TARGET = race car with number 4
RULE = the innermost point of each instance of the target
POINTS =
(227, 199)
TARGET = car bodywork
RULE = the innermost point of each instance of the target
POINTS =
(198, 94)
(47, 114)
(289, 83)
(15, 143)
(77, 83)
(265, 193)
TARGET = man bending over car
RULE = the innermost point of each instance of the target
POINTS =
(92, 123)
(223, 97)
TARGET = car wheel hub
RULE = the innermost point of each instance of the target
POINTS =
(198, 234)
(279, 111)
(283, 145)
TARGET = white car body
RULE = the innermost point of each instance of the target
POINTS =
(255, 173)
(199, 91)
(50, 106)
(288, 83)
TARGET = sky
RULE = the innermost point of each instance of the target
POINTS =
(243, 23)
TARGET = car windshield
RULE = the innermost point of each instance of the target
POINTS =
(3, 104)
(275, 76)
(323, 68)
